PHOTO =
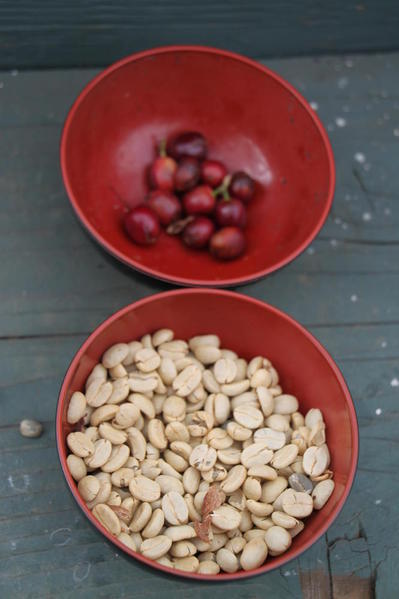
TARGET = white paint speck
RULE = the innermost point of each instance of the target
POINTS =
(333, 243)
(386, 116)
(1, 84)
(360, 157)
(14, 73)
(396, 132)
(60, 537)
(342, 82)
(287, 573)
(348, 197)
(344, 226)
(366, 216)
(378, 501)
(81, 572)
(19, 483)
(354, 298)
(345, 108)
(349, 63)
(337, 220)
(340, 121)
(314, 105)
(387, 211)
(378, 411)
(13, 545)
(384, 344)
(395, 382)
(310, 251)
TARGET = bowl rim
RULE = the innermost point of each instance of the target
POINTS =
(153, 272)
(277, 561)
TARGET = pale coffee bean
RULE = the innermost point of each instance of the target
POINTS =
(168, 470)
(218, 438)
(258, 508)
(175, 349)
(204, 340)
(134, 347)
(120, 391)
(147, 360)
(209, 382)
(322, 493)
(203, 457)
(246, 522)
(316, 460)
(227, 560)
(261, 378)
(191, 480)
(298, 439)
(92, 433)
(254, 365)
(107, 517)
(122, 477)
(297, 504)
(261, 522)
(156, 433)
(115, 355)
(300, 482)
(169, 483)
(162, 336)
(326, 475)
(76, 467)
(141, 517)
(284, 520)
(234, 479)
(144, 488)
(103, 414)
(181, 448)
(284, 456)
(317, 435)
(155, 547)
(255, 533)
(193, 514)
(199, 394)
(252, 489)
(167, 371)
(187, 564)
(101, 455)
(127, 416)
(143, 383)
(241, 366)
(237, 499)
(98, 393)
(236, 545)
(103, 495)
(254, 554)
(278, 540)
(127, 540)
(80, 444)
(118, 372)
(179, 533)
(76, 407)
(88, 487)
(206, 556)
(272, 489)
(118, 458)
(216, 474)
(229, 456)
(277, 422)
(201, 423)
(225, 370)
(158, 401)
(297, 420)
(285, 404)
(218, 406)
(266, 400)
(248, 416)
(137, 443)
(207, 354)
(248, 397)
(115, 436)
(208, 567)
(226, 517)
(236, 388)
(183, 549)
(175, 460)
(263, 472)
(219, 540)
(312, 417)
(256, 454)
(177, 431)
(155, 524)
(174, 508)
(142, 404)
(114, 499)
(238, 432)
(98, 372)
(174, 408)
(297, 529)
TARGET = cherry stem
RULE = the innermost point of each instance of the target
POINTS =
(223, 188)
(162, 148)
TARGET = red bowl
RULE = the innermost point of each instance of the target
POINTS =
(253, 119)
(306, 370)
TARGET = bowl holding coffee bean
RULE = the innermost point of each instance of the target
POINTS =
(197, 166)
(202, 447)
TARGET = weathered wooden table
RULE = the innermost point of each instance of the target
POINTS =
(57, 285)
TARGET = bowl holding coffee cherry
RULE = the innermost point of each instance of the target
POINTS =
(197, 166)
(194, 197)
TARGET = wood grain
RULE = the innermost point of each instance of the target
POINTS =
(56, 285)
(95, 32)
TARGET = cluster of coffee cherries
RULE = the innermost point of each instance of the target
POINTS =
(194, 197)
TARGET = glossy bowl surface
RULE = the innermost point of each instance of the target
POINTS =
(254, 121)
(249, 327)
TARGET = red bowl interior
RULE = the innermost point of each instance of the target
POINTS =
(249, 327)
(253, 120)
